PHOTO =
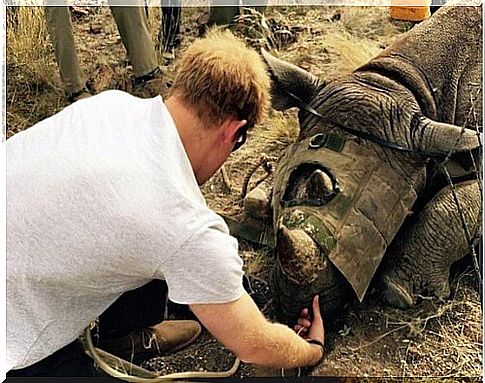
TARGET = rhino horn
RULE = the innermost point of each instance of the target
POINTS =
(434, 137)
(318, 185)
(298, 254)
(286, 78)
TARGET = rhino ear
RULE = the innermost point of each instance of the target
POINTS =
(440, 138)
(286, 78)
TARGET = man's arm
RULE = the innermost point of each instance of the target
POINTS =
(243, 329)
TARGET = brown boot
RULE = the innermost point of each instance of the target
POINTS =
(164, 338)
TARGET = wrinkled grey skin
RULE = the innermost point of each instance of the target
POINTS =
(418, 94)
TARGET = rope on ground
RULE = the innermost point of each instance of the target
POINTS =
(129, 372)
(266, 162)
(225, 179)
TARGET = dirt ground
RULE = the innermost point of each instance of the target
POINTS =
(440, 339)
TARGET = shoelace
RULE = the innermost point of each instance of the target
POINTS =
(148, 337)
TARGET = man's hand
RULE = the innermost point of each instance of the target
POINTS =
(308, 328)
(244, 330)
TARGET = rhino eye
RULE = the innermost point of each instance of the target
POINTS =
(310, 185)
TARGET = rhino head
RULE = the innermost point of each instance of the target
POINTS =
(345, 187)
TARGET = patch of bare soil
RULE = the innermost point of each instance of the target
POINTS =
(435, 338)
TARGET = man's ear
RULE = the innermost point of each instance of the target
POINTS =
(232, 128)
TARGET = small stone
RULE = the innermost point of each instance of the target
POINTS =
(95, 28)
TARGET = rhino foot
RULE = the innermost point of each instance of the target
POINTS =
(399, 292)
(395, 294)
(421, 256)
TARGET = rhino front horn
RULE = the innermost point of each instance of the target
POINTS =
(434, 137)
(299, 255)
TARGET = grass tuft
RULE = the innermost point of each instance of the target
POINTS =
(27, 52)
(30, 69)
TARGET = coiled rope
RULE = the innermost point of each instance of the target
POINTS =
(129, 372)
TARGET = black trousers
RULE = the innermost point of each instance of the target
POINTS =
(170, 30)
(135, 309)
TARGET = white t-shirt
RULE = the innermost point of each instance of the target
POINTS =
(101, 199)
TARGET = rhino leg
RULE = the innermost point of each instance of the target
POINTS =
(420, 258)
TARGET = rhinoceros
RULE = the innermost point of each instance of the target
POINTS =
(384, 173)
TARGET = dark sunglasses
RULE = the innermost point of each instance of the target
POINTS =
(241, 140)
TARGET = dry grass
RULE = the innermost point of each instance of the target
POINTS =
(333, 40)
(27, 50)
(449, 334)
(371, 23)
(433, 339)
(279, 130)
(30, 69)
(353, 51)
(256, 262)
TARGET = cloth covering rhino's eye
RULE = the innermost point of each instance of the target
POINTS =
(310, 184)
